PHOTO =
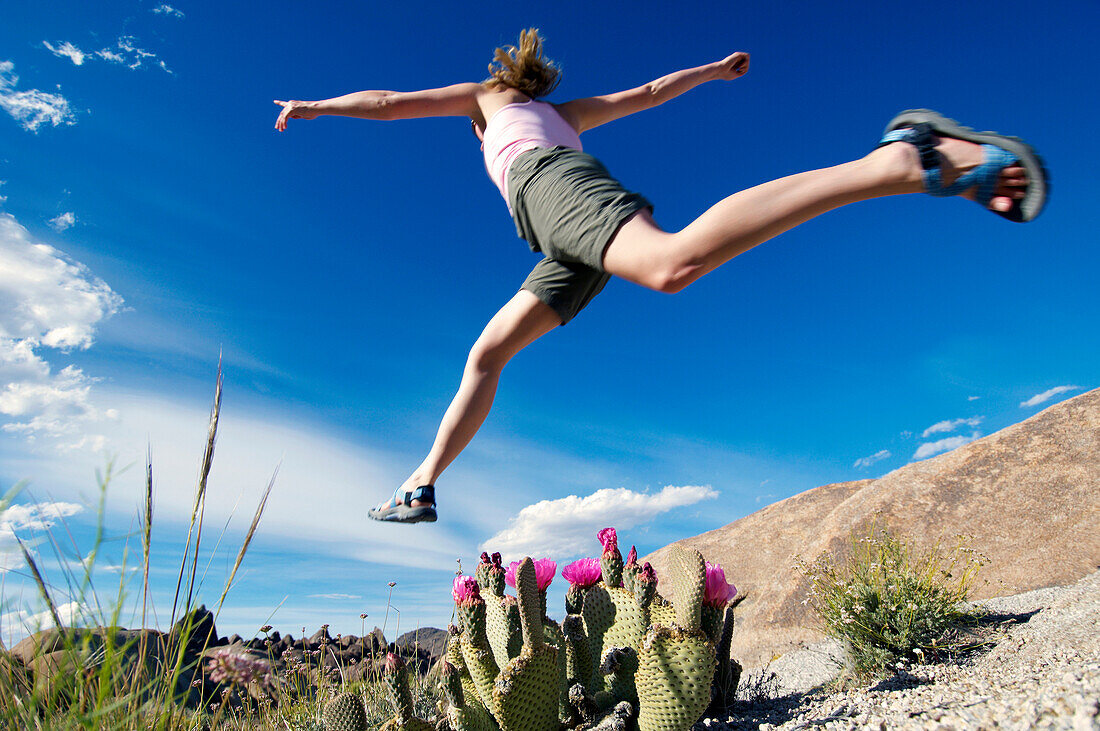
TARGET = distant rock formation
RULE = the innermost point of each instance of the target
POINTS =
(1028, 495)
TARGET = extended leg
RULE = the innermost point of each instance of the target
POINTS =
(518, 324)
(668, 262)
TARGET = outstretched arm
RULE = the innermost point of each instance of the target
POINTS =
(457, 100)
(584, 114)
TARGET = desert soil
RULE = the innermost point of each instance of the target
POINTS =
(1043, 672)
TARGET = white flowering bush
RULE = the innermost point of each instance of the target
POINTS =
(885, 603)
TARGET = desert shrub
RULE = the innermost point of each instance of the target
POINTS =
(886, 602)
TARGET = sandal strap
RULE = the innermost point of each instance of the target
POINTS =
(920, 136)
(985, 176)
(425, 493)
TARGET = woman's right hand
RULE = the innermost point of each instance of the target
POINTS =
(733, 66)
(294, 110)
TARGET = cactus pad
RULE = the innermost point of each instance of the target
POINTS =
(612, 618)
(689, 578)
(675, 669)
(526, 692)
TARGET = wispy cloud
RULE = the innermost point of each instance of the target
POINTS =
(1045, 396)
(67, 50)
(125, 51)
(63, 222)
(336, 597)
(972, 398)
(3, 198)
(949, 425)
(865, 462)
(164, 9)
(128, 53)
(31, 108)
(47, 301)
(558, 527)
(929, 449)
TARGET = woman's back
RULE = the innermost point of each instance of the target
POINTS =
(521, 126)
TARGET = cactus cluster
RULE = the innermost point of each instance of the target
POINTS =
(624, 657)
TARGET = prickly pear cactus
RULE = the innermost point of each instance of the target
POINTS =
(676, 664)
(501, 612)
(463, 714)
(476, 654)
(453, 657)
(526, 692)
(623, 658)
(396, 676)
(344, 713)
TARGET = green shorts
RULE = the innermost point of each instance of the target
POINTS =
(568, 207)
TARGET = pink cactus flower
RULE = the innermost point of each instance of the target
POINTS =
(632, 557)
(465, 590)
(545, 569)
(583, 572)
(609, 540)
(717, 593)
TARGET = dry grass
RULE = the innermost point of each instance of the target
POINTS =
(108, 688)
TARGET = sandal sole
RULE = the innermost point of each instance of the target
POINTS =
(1038, 186)
(419, 514)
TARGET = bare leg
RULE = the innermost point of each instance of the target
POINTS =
(518, 324)
(644, 254)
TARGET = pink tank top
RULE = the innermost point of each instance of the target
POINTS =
(517, 128)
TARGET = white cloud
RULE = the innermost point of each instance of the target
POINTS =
(67, 50)
(335, 597)
(865, 462)
(558, 527)
(949, 425)
(3, 198)
(929, 449)
(34, 517)
(32, 108)
(63, 222)
(126, 52)
(164, 9)
(972, 398)
(46, 301)
(1046, 396)
(19, 623)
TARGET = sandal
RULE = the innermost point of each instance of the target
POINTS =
(920, 127)
(395, 512)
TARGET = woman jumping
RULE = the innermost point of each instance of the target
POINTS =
(588, 227)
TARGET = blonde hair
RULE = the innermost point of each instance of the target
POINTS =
(524, 69)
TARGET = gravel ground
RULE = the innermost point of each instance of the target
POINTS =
(1043, 673)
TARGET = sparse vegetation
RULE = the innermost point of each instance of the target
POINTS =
(102, 677)
(887, 603)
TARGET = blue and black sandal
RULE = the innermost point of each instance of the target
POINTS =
(403, 512)
(920, 127)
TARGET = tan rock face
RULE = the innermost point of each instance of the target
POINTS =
(1028, 495)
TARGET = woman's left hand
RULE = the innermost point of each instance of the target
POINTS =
(294, 110)
(734, 66)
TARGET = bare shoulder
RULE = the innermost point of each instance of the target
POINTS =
(489, 101)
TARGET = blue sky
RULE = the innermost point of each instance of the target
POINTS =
(150, 218)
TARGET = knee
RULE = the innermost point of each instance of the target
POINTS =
(488, 356)
(674, 277)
